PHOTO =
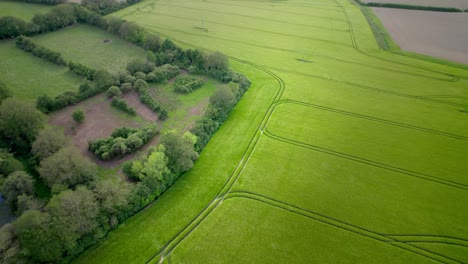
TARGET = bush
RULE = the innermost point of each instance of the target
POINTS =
(186, 84)
(28, 45)
(126, 87)
(163, 73)
(122, 105)
(12, 27)
(140, 65)
(121, 142)
(81, 70)
(113, 91)
(78, 116)
(140, 75)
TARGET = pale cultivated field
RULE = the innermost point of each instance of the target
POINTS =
(438, 34)
(462, 4)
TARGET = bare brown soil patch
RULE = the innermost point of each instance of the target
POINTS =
(461, 4)
(133, 100)
(100, 120)
(438, 34)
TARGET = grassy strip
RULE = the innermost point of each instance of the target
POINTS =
(381, 35)
(413, 7)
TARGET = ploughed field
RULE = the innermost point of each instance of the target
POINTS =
(437, 34)
(461, 4)
(338, 153)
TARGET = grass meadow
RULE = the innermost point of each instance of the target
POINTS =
(25, 11)
(340, 152)
(27, 76)
(85, 44)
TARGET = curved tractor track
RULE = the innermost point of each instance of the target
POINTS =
(402, 241)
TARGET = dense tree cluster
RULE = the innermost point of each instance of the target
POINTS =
(122, 141)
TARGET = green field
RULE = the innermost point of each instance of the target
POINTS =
(85, 44)
(28, 76)
(25, 11)
(340, 152)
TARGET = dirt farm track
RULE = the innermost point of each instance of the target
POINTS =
(438, 34)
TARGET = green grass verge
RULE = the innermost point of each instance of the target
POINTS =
(28, 76)
(85, 44)
(22, 10)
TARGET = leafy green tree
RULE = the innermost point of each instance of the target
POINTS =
(4, 92)
(38, 239)
(48, 141)
(112, 196)
(12, 27)
(9, 245)
(216, 61)
(223, 98)
(103, 79)
(74, 214)
(17, 183)
(8, 163)
(79, 116)
(113, 91)
(19, 124)
(179, 150)
(67, 167)
(152, 43)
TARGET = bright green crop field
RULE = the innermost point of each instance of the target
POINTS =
(85, 44)
(340, 152)
(25, 11)
(27, 76)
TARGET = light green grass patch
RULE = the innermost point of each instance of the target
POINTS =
(22, 10)
(85, 44)
(28, 76)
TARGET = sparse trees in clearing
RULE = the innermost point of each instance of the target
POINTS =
(79, 116)
(19, 124)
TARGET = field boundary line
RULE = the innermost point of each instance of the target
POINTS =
(416, 97)
(375, 119)
(169, 247)
(452, 77)
(368, 162)
(340, 225)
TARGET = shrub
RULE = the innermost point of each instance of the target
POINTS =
(140, 75)
(78, 116)
(186, 84)
(126, 87)
(28, 45)
(122, 141)
(122, 105)
(113, 91)
(81, 70)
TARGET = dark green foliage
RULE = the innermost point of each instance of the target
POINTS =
(16, 184)
(122, 105)
(79, 116)
(103, 79)
(152, 43)
(140, 65)
(126, 87)
(81, 70)
(132, 32)
(140, 75)
(19, 124)
(143, 89)
(68, 168)
(121, 142)
(8, 164)
(59, 17)
(11, 27)
(4, 92)
(48, 142)
(113, 91)
(105, 7)
(186, 84)
(47, 2)
(163, 73)
(179, 150)
(28, 45)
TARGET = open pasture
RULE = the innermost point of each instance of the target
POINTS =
(27, 76)
(22, 10)
(340, 152)
(92, 47)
